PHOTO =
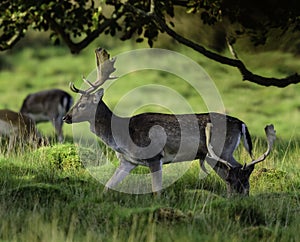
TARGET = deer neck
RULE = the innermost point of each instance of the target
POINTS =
(101, 125)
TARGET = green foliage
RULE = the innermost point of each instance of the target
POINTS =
(62, 157)
(78, 23)
(210, 10)
(69, 18)
(66, 157)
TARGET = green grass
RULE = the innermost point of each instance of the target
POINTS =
(48, 195)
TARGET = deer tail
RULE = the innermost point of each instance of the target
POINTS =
(247, 139)
(67, 102)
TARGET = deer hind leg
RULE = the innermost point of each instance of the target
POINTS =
(229, 147)
(156, 173)
(57, 123)
(121, 172)
(202, 163)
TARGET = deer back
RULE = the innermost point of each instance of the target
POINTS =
(17, 124)
(46, 105)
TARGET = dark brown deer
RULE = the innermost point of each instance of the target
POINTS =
(19, 129)
(154, 139)
(48, 105)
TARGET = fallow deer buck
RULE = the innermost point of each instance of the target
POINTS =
(19, 129)
(154, 139)
(48, 105)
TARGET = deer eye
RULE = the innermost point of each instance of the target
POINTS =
(81, 106)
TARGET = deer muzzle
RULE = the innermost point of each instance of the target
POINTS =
(67, 119)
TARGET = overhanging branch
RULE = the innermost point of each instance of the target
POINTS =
(247, 75)
(74, 47)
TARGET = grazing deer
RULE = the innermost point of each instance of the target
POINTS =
(48, 105)
(154, 139)
(19, 128)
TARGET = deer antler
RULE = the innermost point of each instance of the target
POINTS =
(75, 89)
(105, 66)
(271, 136)
(211, 153)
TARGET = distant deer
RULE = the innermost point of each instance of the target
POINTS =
(172, 138)
(19, 129)
(48, 105)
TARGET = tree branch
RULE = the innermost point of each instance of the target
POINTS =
(75, 48)
(247, 75)
(13, 40)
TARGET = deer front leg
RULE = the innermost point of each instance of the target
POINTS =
(57, 123)
(156, 173)
(11, 143)
(121, 172)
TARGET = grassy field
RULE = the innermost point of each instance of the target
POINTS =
(47, 194)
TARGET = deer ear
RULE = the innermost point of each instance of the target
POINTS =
(98, 95)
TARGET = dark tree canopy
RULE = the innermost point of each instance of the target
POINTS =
(78, 22)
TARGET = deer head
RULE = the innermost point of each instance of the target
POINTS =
(86, 106)
(237, 177)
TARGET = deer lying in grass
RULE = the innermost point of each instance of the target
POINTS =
(19, 129)
(154, 139)
(48, 105)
